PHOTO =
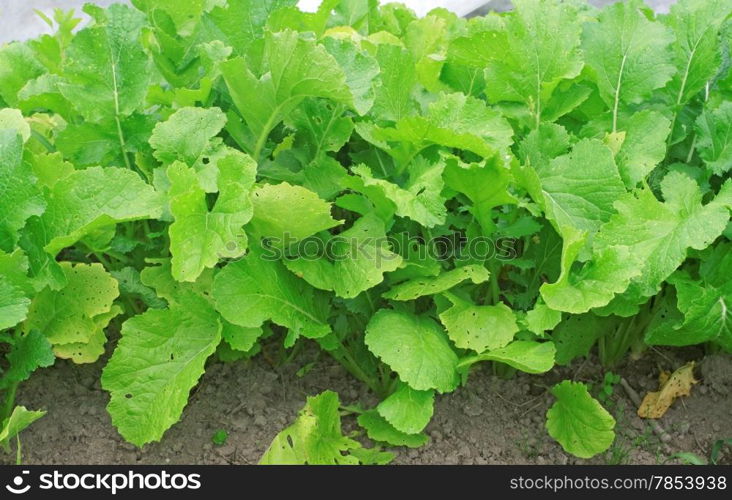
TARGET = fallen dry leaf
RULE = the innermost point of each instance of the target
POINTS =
(679, 383)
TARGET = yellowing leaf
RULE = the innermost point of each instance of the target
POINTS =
(655, 404)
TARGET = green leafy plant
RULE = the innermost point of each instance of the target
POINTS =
(416, 196)
(220, 437)
(609, 381)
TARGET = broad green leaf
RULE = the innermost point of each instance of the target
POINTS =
(69, 315)
(525, 355)
(485, 185)
(542, 145)
(544, 252)
(199, 238)
(697, 47)
(453, 121)
(319, 128)
(356, 13)
(240, 338)
(644, 145)
(714, 143)
(568, 96)
(542, 318)
(577, 334)
(17, 421)
(258, 288)
(241, 22)
(131, 284)
(415, 347)
(160, 278)
(274, 206)
(373, 456)
(184, 15)
(49, 168)
(14, 304)
(535, 49)
(628, 54)
(407, 410)
(44, 92)
(158, 360)
(20, 197)
(297, 20)
(106, 69)
(186, 134)
(361, 71)
(30, 352)
(12, 119)
(281, 84)
(427, 38)
(578, 422)
(95, 198)
(596, 283)
(18, 66)
(354, 261)
(91, 350)
(479, 328)
(42, 266)
(420, 199)
(657, 235)
(15, 289)
(92, 144)
(394, 97)
(579, 188)
(705, 306)
(380, 430)
(432, 285)
(315, 438)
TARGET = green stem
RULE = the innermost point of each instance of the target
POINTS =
(295, 350)
(691, 149)
(353, 367)
(495, 290)
(40, 138)
(617, 94)
(451, 297)
(18, 451)
(9, 403)
(103, 260)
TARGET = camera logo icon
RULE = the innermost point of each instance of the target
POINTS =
(18, 487)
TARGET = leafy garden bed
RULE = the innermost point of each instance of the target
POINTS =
(422, 201)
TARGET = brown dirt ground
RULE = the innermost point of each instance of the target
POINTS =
(491, 421)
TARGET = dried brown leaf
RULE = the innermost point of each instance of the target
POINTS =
(679, 383)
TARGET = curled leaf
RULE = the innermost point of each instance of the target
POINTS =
(679, 383)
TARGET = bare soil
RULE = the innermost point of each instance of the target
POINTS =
(491, 421)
